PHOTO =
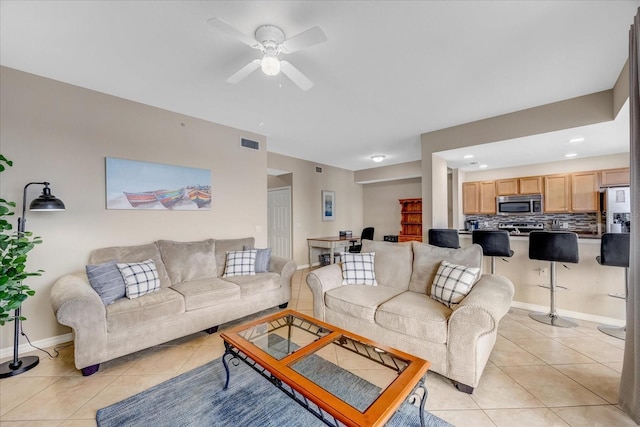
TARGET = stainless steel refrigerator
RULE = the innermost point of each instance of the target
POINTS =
(618, 209)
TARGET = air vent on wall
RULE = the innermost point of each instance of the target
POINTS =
(318, 169)
(250, 144)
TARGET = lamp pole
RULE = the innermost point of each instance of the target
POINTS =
(44, 202)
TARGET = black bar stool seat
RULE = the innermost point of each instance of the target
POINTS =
(614, 252)
(444, 238)
(553, 246)
(494, 243)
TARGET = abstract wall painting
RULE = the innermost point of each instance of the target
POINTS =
(133, 184)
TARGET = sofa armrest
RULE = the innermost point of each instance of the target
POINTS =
(285, 268)
(473, 326)
(77, 305)
(321, 281)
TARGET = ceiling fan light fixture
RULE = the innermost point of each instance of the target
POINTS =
(270, 63)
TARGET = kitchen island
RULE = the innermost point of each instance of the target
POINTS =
(588, 282)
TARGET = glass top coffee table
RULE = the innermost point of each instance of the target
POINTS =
(328, 370)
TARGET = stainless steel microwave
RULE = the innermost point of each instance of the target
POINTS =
(526, 204)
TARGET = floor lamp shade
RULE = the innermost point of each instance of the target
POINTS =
(45, 202)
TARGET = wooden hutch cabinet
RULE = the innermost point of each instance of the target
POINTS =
(410, 220)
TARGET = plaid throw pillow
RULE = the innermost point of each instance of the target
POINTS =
(240, 263)
(358, 269)
(452, 283)
(140, 278)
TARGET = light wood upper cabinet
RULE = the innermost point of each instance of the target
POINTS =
(479, 197)
(613, 177)
(530, 185)
(585, 191)
(487, 197)
(507, 187)
(470, 197)
(557, 193)
(526, 185)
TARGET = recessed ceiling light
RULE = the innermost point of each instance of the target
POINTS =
(482, 166)
(378, 158)
(576, 140)
(569, 155)
(468, 156)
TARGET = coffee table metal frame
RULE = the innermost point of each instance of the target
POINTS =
(408, 385)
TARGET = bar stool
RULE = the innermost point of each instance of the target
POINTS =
(553, 246)
(614, 251)
(444, 238)
(495, 243)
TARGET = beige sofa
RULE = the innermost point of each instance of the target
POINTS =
(186, 303)
(400, 313)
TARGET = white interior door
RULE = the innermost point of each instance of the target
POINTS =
(279, 220)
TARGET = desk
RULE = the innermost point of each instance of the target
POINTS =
(330, 243)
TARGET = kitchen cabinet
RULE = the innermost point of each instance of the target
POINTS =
(557, 193)
(479, 197)
(526, 185)
(614, 177)
(585, 191)
(410, 220)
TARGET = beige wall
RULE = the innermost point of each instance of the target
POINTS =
(389, 173)
(278, 181)
(307, 185)
(381, 207)
(62, 134)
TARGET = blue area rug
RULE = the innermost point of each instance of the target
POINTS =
(196, 398)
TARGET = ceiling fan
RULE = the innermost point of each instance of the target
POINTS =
(270, 40)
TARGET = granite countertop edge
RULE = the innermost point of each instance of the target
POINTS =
(581, 235)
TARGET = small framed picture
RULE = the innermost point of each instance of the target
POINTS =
(328, 205)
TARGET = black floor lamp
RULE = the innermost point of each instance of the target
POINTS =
(45, 202)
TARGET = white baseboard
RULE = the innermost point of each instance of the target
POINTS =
(572, 314)
(44, 343)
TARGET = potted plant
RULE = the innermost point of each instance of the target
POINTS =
(14, 247)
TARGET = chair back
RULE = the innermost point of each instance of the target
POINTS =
(614, 249)
(558, 246)
(444, 238)
(493, 242)
(367, 233)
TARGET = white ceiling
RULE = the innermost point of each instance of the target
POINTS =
(389, 71)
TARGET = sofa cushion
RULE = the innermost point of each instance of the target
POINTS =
(453, 282)
(206, 292)
(427, 259)
(240, 263)
(129, 314)
(393, 262)
(416, 315)
(127, 254)
(359, 301)
(251, 285)
(224, 245)
(186, 261)
(358, 269)
(263, 259)
(107, 281)
(140, 278)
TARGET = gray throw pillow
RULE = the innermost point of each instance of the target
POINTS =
(263, 258)
(107, 281)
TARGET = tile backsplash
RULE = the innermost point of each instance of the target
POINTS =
(578, 222)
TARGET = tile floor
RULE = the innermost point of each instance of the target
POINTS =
(537, 375)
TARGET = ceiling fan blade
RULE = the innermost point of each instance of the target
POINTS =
(243, 72)
(233, 32)
(295, 75)
(303, 40)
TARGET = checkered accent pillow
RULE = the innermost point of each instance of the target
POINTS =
(240, 263)
(358, 269)
(452, 283)
(140, 278)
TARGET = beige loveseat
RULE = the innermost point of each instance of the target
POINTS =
(399, 312)
(193, 297)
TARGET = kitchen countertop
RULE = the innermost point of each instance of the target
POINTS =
(581, 235)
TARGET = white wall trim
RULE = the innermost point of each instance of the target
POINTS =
(571, 314)
(44, 343)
